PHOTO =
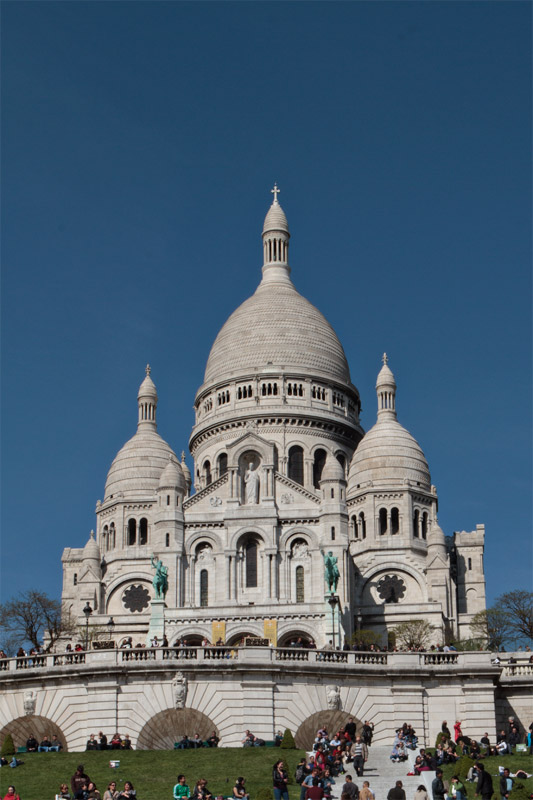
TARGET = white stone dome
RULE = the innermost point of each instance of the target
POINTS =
(91, 551)
(332, 470)
(280, 328)
(388, 454)
(138, 465)
(275, 219)
(172, 476)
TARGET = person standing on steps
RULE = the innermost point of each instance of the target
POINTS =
(397, 793)
(366, 792)
(359, 754)
(437, 786)
(350, 788)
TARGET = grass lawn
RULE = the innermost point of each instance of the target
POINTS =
(153, 773)
(521, 761)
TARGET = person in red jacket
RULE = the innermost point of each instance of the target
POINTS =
(11, 794)
(457, 732)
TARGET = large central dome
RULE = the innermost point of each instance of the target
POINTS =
(276, 327)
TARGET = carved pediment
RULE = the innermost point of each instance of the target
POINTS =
(212, 497)
(288, 492)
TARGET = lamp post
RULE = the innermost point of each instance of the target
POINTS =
(110, 628)
(332, 600)
(87, 611)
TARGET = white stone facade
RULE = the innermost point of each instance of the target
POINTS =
(244, 546)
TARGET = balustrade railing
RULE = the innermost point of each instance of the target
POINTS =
(345, 659)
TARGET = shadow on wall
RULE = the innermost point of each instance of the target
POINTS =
(332, 721)
(21, 728)
(169, 726)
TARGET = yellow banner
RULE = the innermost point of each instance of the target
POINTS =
(271, 630)
(218, 632)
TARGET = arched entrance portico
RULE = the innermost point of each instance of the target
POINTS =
(332, 721)
(21, 728)
(169, 726)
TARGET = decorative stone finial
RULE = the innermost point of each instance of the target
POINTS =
(148, 369)
(183, 455)
(92, 535)
(275, 191)
(385, 358)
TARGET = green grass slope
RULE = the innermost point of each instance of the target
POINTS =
(153, 773)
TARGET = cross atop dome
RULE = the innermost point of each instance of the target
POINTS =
(275, 191)
(148, 369)
(385, 358)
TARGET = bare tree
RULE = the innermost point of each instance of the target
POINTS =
(518, 606)
(33, 617)
(490, 628)
(414, 634)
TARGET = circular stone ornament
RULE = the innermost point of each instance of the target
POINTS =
(136, 598)
(391, 588)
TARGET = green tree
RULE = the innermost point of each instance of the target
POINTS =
(491, 627)
(518, 607)
(33, 617)
(414, 634)
(8, 746)
(287, 743)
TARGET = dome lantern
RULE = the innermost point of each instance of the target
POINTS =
(276, 243)
(386, 389)
(147, 401)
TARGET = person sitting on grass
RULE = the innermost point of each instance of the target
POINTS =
(116, 742)
(181, 789)
(64, 793)
(32, 744)
(128, 792)
(92, 792)
(239, 790)
(111, 793)
(78, 781)
(11, 794)
(201, 792)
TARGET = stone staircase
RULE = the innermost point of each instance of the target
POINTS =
(382, 774)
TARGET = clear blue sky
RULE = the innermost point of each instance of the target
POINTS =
(140, 143)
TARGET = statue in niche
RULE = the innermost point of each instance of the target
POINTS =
(300, 551)
(251, 481)
(332, 574)
(179, 685)
(333, 697)
(30, 701)
(204, 552)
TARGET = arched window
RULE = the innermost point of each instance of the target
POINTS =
(168, 499)
(394, 521)
(355, 530)
(111, 540)
(132, 532)
(204, 588)
(207, 473)
(382, 521)
(300, 591)
(332, 534)
(318, 466)
(416, 523)
(143, 531)
(424, 525)
(105, 538)
(341, 458)
(75, 579)
(362, 525)
(222, 464)
(250, 555)
(469, 563)
(296, 464)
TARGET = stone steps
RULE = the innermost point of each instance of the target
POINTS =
(382, 774)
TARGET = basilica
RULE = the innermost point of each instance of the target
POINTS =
(284, 484)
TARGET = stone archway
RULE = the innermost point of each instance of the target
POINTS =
(331, 720)
(21, 728)
(169, 726)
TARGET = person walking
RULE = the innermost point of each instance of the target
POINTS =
(437, 786)
(397, 793)
(484, 783)
(359, 754)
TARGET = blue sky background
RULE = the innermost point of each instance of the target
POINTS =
(140, 143)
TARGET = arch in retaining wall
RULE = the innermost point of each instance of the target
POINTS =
(169, 726)
(332, 721)
(21, 728)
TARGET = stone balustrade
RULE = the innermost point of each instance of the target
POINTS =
(335, 658)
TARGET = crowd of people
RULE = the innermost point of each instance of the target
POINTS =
(194, 742)
(116, 742)
(46, 745)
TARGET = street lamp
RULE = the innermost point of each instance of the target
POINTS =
(110, 628)
(332, 600)
(87, 611)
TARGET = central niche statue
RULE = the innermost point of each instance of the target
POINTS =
(251, 481)
(331, 574)
(160, 581)
(180, 690)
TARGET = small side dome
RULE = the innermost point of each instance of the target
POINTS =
(172, 476)
(388, 454)
(91, 551)
(333, 470)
